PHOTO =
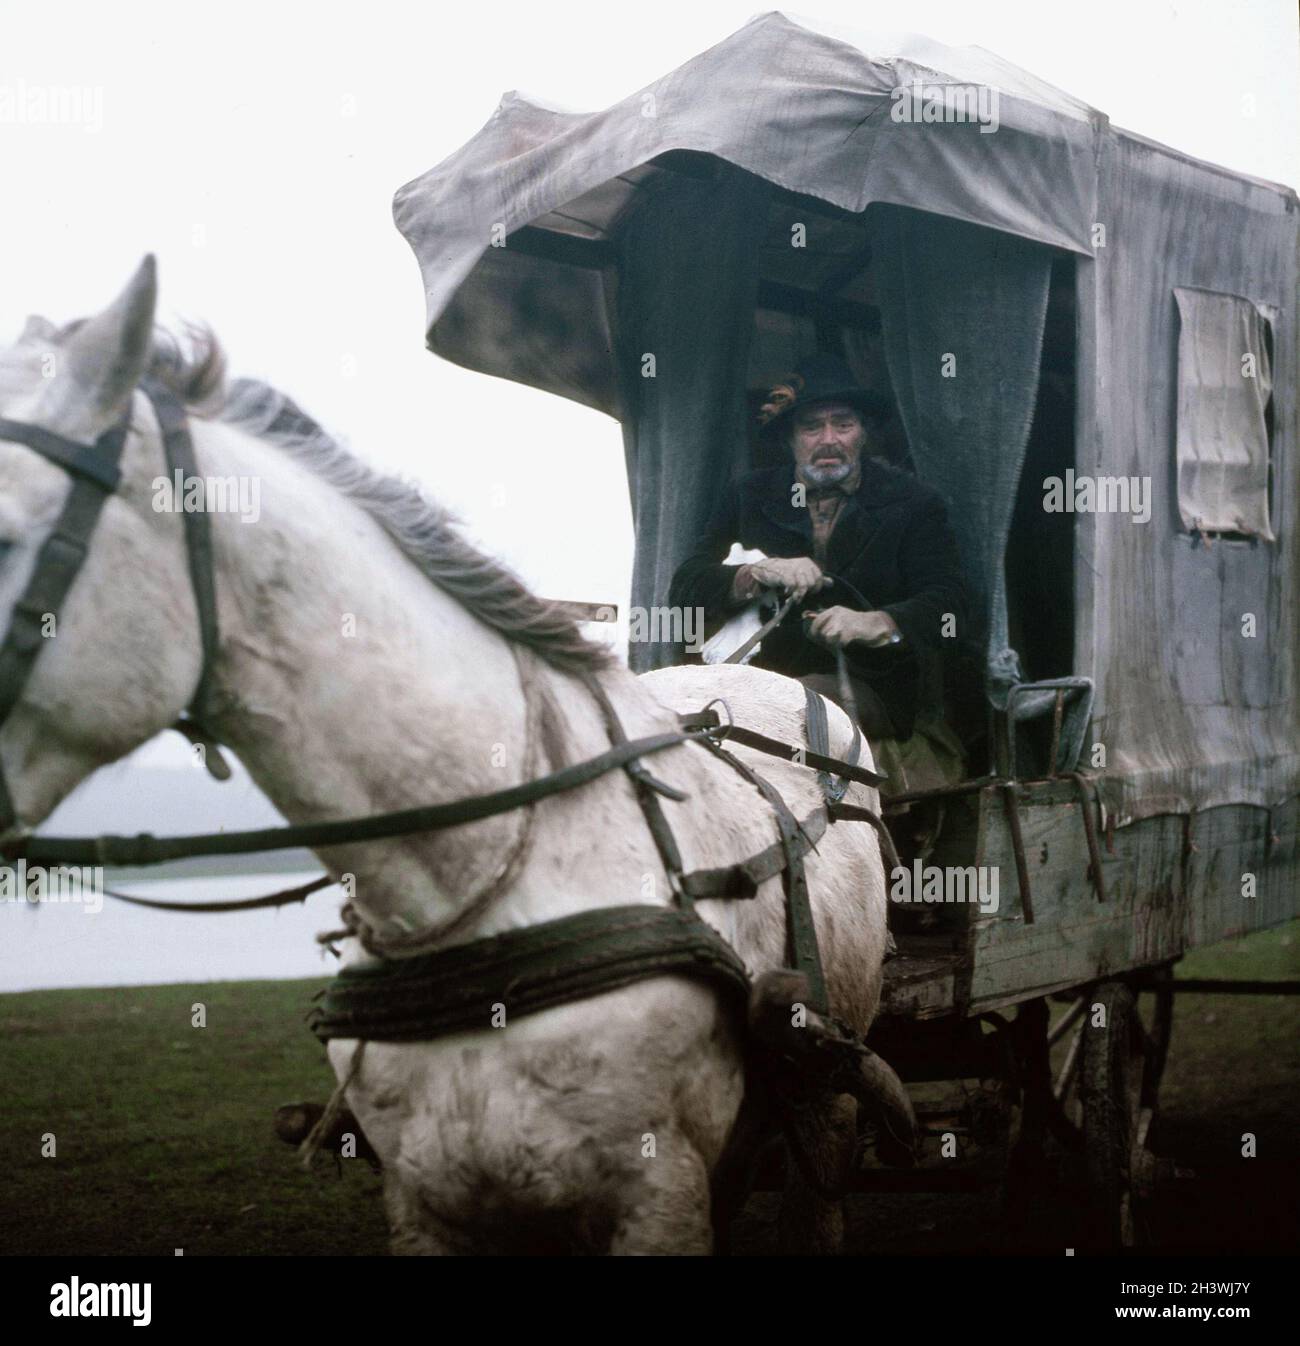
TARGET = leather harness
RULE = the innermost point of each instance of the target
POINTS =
(523, 971)
(434, 993)
(96, 474)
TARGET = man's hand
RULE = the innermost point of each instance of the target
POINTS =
(838, 627)
(798, 576)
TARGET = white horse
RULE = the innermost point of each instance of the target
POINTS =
(370, 660)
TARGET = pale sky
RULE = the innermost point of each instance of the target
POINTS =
(255, 147)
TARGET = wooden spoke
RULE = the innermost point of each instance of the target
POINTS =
(1062, 1025)
(1065, 1079)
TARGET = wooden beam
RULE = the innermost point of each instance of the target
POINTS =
(591, 254)
(587, 612)
(805, 303)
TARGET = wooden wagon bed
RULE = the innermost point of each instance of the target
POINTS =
(1168, 883)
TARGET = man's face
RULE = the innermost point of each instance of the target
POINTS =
(827, 439)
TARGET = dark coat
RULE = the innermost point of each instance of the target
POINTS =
(892, 541)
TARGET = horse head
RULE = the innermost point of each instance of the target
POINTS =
(120, 658)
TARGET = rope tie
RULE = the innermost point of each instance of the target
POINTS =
(316, 1137)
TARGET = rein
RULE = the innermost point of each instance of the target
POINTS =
(738, 880)
(146, 849)
(848, 701)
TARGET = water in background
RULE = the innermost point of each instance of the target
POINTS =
(160, 789)
(61, 944)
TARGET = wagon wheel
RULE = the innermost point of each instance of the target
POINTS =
(1107, 1088)
(1156, 1016)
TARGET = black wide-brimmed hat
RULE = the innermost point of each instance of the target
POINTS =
(822, 378)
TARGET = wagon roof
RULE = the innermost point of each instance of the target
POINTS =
(565, 250)
(807, 107)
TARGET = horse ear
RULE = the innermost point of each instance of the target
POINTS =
(104, 358)
(39, 329)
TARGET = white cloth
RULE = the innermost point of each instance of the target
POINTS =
(1222, 434)
(735, 631)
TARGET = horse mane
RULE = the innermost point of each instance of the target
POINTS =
(426, 532)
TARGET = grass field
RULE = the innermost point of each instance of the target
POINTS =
(163, 1131)
(164, 1140)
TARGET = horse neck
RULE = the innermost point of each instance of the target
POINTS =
(349, 684)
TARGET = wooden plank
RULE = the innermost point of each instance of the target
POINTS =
(1229, 844)
(1162, 897)
(586, 612)
(1075, 938)
(919, 988)
(562, 249)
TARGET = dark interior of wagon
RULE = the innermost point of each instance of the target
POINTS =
(819, 290)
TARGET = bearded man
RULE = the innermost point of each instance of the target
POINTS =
(835, 509)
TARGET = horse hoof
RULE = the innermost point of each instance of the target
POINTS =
(294, 1123)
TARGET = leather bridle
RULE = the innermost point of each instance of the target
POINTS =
(95, 472)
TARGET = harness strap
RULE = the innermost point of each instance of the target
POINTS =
(838, 811)
(801, 930)
(817, 729)
(519, 972)
(179, 450)
(96, 463)
(146, 849)
(708, 720)
(94, 472)
(738, 881)
(742, 879)
(647, 790)
(213, 758)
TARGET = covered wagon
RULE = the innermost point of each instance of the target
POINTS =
(1090, 345)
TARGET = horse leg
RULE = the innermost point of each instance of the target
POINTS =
(413, 1229)
(825, 1130)
(669, 1212)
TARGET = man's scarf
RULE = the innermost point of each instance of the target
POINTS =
(824, 506)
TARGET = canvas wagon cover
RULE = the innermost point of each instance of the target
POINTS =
(796, 106)
(554, 244)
